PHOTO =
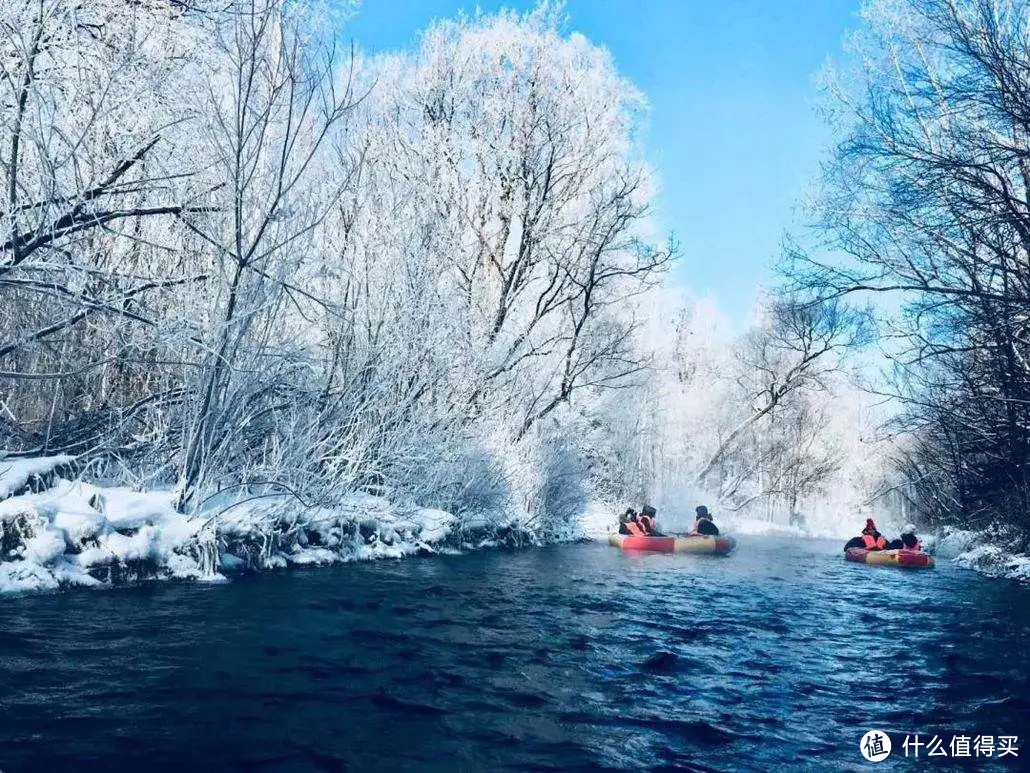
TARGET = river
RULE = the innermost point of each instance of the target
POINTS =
(572, 657)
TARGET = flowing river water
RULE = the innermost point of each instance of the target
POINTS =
(574, 657)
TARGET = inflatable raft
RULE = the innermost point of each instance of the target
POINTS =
(913, 559)
(685, 544)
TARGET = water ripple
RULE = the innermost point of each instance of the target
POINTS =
(566, 658)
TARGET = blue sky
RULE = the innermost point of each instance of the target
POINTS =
(733, 129)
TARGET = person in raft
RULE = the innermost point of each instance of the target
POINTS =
(907, 541)
(703, 523)
(870, 539)
(631, 523)
(627, 522)
(647, 521)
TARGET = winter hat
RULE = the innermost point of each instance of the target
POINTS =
(869, 525)
(909, 529)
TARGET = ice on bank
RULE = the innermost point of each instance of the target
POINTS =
(58, 532)
(991, 552)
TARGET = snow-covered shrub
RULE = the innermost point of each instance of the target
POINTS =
(563, 494)
(470, 483)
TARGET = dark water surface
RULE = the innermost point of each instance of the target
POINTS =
(573, 657)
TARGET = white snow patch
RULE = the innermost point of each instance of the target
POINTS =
(433, 525)
(1018, 568)
(313, 556)
(951, 543)
(79, 526)
(995, 561)
(77, 533)
(55, 537)
(44, 547)
(24, 576)
(15, 473)
(127, 509)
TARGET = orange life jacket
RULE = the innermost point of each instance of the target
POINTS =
(634, 529)
(874, 543)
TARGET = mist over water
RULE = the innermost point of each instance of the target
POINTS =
(566, 657)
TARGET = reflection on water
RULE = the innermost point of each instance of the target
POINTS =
(572, 657)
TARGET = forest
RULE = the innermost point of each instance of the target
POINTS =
(924, 210)
(300, 297)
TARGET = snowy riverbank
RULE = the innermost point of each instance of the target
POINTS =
(56, 532)
(992, 552)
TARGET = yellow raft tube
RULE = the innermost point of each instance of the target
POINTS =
(674, 544)
(912, 559)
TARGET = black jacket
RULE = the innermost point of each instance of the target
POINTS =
(906, 541)
(706, 527)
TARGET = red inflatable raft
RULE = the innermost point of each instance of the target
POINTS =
(912, 559)
(684, 544)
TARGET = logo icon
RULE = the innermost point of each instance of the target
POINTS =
(875, 746)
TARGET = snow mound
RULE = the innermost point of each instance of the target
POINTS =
(75, 533)
(127, 509)
(16, 474)
(996, 562)
(951, 543)
(989, 552)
